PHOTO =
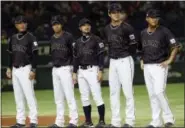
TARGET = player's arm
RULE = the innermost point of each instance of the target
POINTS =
(75, 62)
(34, 47)
(174, 48)
(132, 40)
(100, 54)
(104, 38)
(75, 58)
(9, 50)
(140, 51)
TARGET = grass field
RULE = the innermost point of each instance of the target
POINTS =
(175, 93)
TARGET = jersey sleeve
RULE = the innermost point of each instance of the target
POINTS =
(131, 35)
(103, 36)
(139, 46)
(34, 43)
(100, 52)
(75, 57)
(171, 38)
(9, 50)
(71, 41)
(100, 45)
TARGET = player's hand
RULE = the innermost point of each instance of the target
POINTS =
(165, 63)
(74, 78)
(9, 73)
(32, 75)
(141, 64)
(100, 76)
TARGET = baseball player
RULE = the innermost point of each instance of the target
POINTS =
(120, 37)
(62, 57)
(88, 60)
(23, 51)
(156, 42)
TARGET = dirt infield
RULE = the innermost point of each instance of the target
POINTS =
(43, 120)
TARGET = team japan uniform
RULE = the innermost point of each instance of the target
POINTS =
(23, 51)
(62, 56)
(88, 53)
(121, 70)
(156, 49)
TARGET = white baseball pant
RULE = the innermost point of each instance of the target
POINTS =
(155, 79)
(64, 89)
(88, 82)
(23, 89)
(121, 72)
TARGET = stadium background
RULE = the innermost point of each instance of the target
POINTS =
(39, 14)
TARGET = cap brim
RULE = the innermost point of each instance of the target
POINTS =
(55, 22)
(85, 23)
(18, 22)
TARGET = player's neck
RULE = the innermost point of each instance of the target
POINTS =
(86, 34)
(152, 29)
(116, 23)
(58, 34)
(23, 32)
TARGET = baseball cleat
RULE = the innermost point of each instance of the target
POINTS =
(87, 125)
(70, 125)
(127, 126)
(17, 125)
(150, 126)
(33, 125)
(101, 124)
(111, 126)
(54, 126)
(168, 125)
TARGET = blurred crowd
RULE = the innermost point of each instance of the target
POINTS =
(39, 13)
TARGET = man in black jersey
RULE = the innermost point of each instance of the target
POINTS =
(159, 48)
(88, 61)
(119, 36)
(62, 56)
(23, 51)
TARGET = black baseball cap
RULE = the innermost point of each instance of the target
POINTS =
(56, 20)
(115, 7)
(153, 13)
(84, 21)
(20, 19)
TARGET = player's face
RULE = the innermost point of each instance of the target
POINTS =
(57, 28)
(21, 27)
(115, 15)
(86, 28)
(123, 16)
(153, 21)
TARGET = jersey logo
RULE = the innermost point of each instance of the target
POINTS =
(35, 43)
(132, 37)
(101, 45)
(172, 41)
(73, 44)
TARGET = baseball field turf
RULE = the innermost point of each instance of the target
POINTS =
(175, 93)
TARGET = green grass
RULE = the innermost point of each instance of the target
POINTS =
(175, 93)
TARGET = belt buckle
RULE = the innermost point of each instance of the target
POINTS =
(89, 66)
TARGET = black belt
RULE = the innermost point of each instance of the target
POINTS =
(117, 58)
(85, 66)
(18, 66)
(58, 66)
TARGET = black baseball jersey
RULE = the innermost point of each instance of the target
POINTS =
(61, 49)
(155, 46)
(88, 51)
(119, 39)
(22, 47)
